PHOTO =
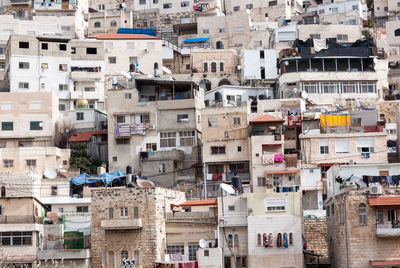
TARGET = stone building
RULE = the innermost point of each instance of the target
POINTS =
(130, 223)
(363, 228)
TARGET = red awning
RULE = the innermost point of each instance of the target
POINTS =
(282, 171)
(265, 118)
(389, 200)
(385, 263)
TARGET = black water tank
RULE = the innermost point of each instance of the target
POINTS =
(131, 67)
(262, 97)
(128, 170)
(236, 182)
(218, 96)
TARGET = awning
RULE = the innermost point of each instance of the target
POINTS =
(196, 40)
(265, 118)
(384, 263)
(384, 201)
(282, 171)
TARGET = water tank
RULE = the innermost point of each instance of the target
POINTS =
(218, 96)
(128, 170)
(236, 182)
(131, 68)
(262, 97)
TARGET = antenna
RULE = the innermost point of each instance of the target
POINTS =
(227, 188)
(203, 243)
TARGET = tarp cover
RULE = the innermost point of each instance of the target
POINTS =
(329, 120)
(106, 178)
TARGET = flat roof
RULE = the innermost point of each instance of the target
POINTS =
(111, 36)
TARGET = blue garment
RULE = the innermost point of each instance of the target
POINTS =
(389, 180)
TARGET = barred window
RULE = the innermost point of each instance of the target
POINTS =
(16, 238)
(186, 138)
(168, 139)
(175, 249)
(192, 252)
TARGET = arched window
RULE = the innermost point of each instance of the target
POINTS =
(362, 213)
(221, 66)
(97, 24)
(236, 240)
(290, 238)
(3, 191)
(124, 255)
(113, 23)
(213, 67)
(397, 32)
(224, 82)
(219, 45)
(229, 240)
(111, 259)
(205, 84)
(258, 239)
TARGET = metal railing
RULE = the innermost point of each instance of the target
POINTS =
(20, 219)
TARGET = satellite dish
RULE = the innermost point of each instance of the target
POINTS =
(286, 62)
(227, 188)
(126, 75)
(203, 243)
(239, 67)
(144, 183)
(114, 80)
(304, 94)
(295, 90)
(166, 70)
(50, 173)
(248, 11)
(41, 124)
(375, 60)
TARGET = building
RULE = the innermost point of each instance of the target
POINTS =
(28, 128)
(259, 65)
(154, 128)
(130, 223)
(245, 221)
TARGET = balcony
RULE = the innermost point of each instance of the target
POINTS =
(20, 219)
(180, 217)
(121, 224)
(233, 219)
(162, 155)
(85, 76)
(387, 230)
(20, 2)
(89, 95)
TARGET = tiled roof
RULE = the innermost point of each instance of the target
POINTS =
(199, 203)
(282, 171)
(124, 36)
(85, 136)
(266, 118)
(385, 263)
(389, 200)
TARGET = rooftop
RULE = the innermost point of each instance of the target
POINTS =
(199, 203)
(265, 118)
(85, 136)
(384, 201)
(109, 36)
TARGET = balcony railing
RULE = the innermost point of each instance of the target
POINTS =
(388, 230)
(66, 242)
(121, 224)
(20, 219)
(206, 217)
(233, 219)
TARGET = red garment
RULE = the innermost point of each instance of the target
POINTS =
(193, 264)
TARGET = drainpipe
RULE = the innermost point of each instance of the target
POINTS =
(345, 231)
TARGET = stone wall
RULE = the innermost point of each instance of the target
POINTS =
(315, 231)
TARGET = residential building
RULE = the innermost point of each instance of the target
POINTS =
(230, 95)
(258, 65)
(343, 34)
(131, 53)
(154, 127)
(334, 79)
(28, 128)
(246, 221)
(130, 223)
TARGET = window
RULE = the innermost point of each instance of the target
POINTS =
(133, 60)
(79, 116)
(31, 162)
(236, 240)
(25, 144)
(82, 209)
(23, 65)
(236, 120)
(63, 47)
(2, 49)
(362, 213)
(136, 256)
(61, 107)
(73, 50)
(186, 138)
(355, 7)
(91, 50)
(110, 256)
(124, 212)
(205, 67)
(36, 125)
(213, 67)
(2, 66)
(182, 118)
(168, 139)
(124, 255)
(192, 251)
(221, 66)
(221, 30)
(249, 6)
(206, 31)
(342, 146)
(7, 126)
(8, 163)
(155, 1)
(45, 46)
(23, 44)
(272, 3)
(63, 67)
(151, 147)
(352, 22)
(185, 3)
(380, 217)
(135, 212)
(324, 146)
(142, 2)
(176, 249)
(3, 193)
(162, 168)
(321, 11)
(63, 87)
(6, 106)
(112, 60)
(342, 37)
(65, 28)
(261, 181)
(231, 208)
(113, 23)
(213, 122)
(111, 213)
(365, 145)
(53, 190)
(35, 105)
(217, 149)
(333, 209)
(257, 43)
(167, 5)
(122, 141)
(315, 36)
(367, 87)
(16, 238)
(97, 24)
(216, 169)
(239, 149)
(239, 29)
(229, 240)
(275, 205)
(23, 85)
(335, 10)
(236, 8)
(115, 159)
(102, 7)
(206, 253)
(397, 32)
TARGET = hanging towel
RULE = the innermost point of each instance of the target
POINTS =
(319, 44)
(278, 158)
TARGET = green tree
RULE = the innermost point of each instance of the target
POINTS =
(81, 158)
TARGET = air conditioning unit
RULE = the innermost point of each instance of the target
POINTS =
(107, 50)
(375, 188)
(151, 126)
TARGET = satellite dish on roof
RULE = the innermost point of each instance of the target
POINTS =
(248, 11)
(144, 183)
(227, 188)
(203, 243)
(304, 94)
(166, 70)
(50, 173)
